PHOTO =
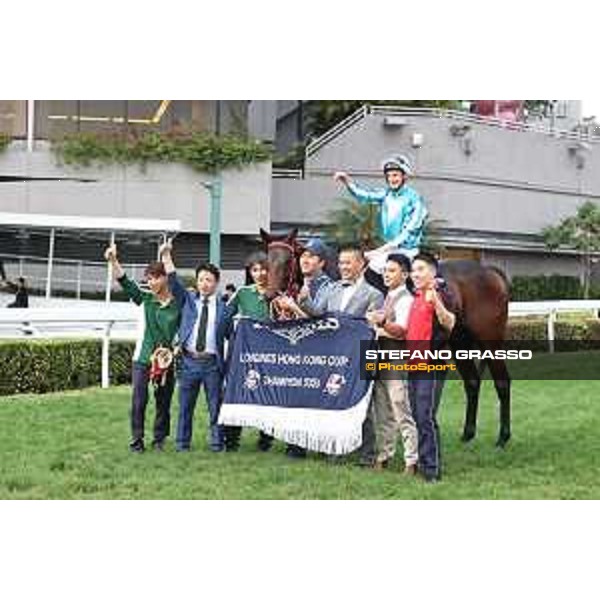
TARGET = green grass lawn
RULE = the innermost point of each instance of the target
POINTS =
(74, 445)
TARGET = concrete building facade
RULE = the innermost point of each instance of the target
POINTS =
(490, 186)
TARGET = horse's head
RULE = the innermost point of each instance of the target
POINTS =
(282, 252)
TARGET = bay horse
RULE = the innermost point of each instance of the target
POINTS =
(285, 278)
(482, 295)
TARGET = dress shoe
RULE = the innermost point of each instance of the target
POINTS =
(295, 452)
(380, 465)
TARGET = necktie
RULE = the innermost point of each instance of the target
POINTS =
(201, 341)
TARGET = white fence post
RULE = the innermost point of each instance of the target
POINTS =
(106, 355)
(79, 274)
(551, 322)
(50, 263)
(109, 272)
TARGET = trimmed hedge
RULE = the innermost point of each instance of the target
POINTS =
(541, 287)
(40, 366)
(548, 287)
(534, 332)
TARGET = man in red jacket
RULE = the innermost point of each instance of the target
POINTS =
(431, 320)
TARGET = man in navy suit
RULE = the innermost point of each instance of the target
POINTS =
(201, 336)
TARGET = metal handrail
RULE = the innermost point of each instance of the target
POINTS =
(287, 173)
(75, 261)
(490, 121)
(544, 307)
(26, 263)
(337, 129)
(379, 110)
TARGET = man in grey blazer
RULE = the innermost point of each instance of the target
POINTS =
(351, 295)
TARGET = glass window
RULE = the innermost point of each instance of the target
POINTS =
(158, 115)
(102, 116)
(56, 118)
(13, 118)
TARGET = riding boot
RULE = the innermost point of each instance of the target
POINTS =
(265, 441)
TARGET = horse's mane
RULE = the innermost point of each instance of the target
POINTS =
(501, 273)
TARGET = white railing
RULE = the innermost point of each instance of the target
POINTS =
(97, 322)
(121, 321)
(551, 309)
(478, 119)
(365, 110)
(68, 275)
(336, 130)
(287, 173)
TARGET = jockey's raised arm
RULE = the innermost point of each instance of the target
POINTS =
(366, 195)
(402, 210)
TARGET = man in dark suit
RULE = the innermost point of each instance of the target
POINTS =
(201, 336)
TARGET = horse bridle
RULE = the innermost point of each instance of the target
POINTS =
(292, 287)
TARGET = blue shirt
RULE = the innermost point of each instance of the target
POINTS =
(402, 214)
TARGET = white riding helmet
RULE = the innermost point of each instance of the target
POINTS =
(398, 162)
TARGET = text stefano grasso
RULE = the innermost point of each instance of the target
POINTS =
(379, 354)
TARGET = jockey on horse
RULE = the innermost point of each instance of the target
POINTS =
(402, 214)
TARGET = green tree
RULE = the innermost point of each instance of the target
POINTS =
(539, 106)
(580, 232)
(431, 236)
(353, 222)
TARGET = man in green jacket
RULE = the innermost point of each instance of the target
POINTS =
(161, 322)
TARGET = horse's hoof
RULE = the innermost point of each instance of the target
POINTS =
(502, 441)
(467, 436)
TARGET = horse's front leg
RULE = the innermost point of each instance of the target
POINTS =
(472, 383)
(501, 377)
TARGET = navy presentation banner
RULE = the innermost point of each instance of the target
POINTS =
(300, 381)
